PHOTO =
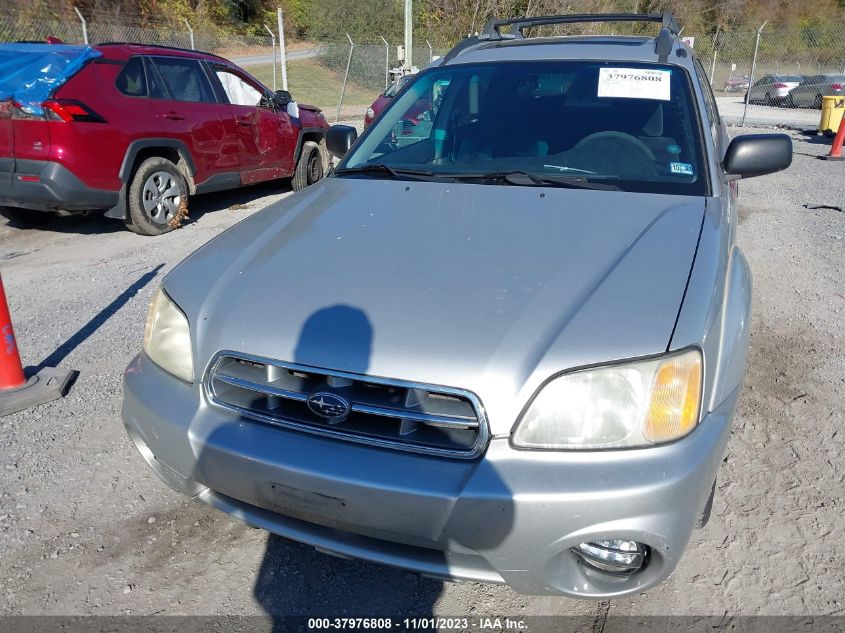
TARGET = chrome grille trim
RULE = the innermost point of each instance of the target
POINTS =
(422, 418)
(259, 388)
(466, 417)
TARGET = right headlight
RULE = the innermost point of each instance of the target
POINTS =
(628, 405)
(167, 337)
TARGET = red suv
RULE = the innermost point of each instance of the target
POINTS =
(135, 129)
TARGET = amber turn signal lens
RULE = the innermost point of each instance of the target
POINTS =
(675, 398)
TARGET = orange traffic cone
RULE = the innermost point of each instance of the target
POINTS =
(836, 150)
(16, 391)
(11, 371)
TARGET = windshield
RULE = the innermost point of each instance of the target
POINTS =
(630, 126)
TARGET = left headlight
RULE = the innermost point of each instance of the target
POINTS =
(628, 405)
(167, 337)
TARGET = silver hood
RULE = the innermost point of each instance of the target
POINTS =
(486, 288)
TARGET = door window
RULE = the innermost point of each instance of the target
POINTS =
(184, 79)
(238, 90)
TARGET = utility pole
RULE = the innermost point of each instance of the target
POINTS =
(283, 56)
(409, 34)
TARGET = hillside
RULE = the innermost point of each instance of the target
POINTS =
(441, 21)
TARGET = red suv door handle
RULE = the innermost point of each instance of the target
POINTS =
(174, 116)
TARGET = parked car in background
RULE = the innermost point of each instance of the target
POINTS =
(772, 89)
(809, 93)
(735, 83)
(501, 348)
(134, 130)
(384, 98)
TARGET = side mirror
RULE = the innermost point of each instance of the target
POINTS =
(757, 154)
(340, 138)
(282, 98)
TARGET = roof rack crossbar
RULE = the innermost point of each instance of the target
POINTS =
(492, 29)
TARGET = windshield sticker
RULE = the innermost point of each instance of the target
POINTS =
(685, 169)
(634, 83)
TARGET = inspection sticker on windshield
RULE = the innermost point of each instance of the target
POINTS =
(681, 168)
(634, 83)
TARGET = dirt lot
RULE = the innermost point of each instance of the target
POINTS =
(86, 528)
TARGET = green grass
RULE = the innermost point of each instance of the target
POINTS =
(310, 83)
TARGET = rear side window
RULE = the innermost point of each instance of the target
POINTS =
(131, 80)
(709, 99)
(184, 79)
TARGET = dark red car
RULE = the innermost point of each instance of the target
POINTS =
(384, 98)
(136, 129)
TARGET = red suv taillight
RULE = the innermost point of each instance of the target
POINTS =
(17, 111)
(54, 110)
(69, 111)
(836, 86)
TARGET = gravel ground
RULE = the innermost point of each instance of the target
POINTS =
(86, 528)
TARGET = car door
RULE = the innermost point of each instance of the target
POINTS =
(798, 92)
(803, 95)
(759, 89)
(191, 112)
(265, 132)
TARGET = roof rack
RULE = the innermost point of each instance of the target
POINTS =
(492, 30)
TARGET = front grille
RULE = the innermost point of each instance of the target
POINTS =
(382, 412)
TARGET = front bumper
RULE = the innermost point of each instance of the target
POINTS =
(48, 186)
(511, 516)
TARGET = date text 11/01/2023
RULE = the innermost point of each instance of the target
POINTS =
(421, 623)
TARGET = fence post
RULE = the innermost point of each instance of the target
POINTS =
(190, 32)
(715, 52)
(345, 77)
(753, 68)
(273, 44)
(386, 62)
(283, 59)
(430, 51)
(84, 26)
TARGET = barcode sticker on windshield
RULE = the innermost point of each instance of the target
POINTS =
(634, 83)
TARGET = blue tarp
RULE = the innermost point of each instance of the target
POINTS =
(29, 73)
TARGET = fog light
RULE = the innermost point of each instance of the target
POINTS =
(613, 555)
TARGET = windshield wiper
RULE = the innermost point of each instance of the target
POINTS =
(397, 173)
(524, 179)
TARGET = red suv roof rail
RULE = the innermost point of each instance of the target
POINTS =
(163, 47)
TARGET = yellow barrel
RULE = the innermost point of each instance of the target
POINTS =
(832, 110)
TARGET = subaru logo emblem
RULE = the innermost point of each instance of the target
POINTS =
(328, 405)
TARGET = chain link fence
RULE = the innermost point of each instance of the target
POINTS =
(775, 77)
